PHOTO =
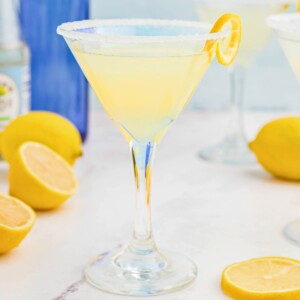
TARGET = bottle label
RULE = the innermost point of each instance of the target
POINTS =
(26, 91)
(14, 93)
(9, 100)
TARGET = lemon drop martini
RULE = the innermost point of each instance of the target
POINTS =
(233, 149)
(153, 89)
(287, 28)
(144, 72)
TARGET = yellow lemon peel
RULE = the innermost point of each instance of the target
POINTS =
(227, 57)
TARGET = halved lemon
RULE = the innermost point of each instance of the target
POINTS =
(16, 220)
(40, 177)
(227, 56)
(267, 278)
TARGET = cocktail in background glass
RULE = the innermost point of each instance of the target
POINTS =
(233, 149)
(144, 72)
(287, 28)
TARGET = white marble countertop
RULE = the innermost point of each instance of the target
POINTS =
(213, 213)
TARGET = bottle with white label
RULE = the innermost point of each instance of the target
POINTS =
(14, 65)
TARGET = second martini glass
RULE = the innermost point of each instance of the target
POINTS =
(233, 149)
(144, 72)
(287, 27)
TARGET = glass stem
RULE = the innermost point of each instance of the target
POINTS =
(142, 241)
(237, 79)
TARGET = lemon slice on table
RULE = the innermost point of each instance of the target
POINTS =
(267, 278)
(40, 177)
(16, 220)
(227, 56)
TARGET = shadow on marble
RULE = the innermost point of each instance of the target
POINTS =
(83, 290)
(3, 173)
(11, 255)
(263, 175)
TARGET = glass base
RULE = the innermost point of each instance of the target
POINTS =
(124, 272)
(232, 150)
(292, 231)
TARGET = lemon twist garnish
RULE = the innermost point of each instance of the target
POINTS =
(227, 57)
(287, 6)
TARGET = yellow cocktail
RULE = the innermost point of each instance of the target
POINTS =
(143, 95)
(233, 149)
(144, 72)
(287, 28)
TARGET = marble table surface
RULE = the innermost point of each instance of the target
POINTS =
(215, 214)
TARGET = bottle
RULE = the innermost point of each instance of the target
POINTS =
(14, 66)
(58, 84)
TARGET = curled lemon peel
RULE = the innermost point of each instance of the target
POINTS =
(287, 6)
(227, 57)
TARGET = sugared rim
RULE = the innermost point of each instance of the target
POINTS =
(70, 30)
(287, 25)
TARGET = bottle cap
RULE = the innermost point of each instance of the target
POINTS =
(9, 23)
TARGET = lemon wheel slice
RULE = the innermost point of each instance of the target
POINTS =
(40, 177)
(267, 278)
(226, 57)
(16, 220)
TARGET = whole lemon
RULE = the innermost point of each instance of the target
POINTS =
(277, 147)
(46, 128)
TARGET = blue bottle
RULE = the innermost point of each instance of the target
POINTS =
(58, 84)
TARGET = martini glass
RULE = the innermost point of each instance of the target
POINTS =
(287, 28)
(233, 149)
(143, 72)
